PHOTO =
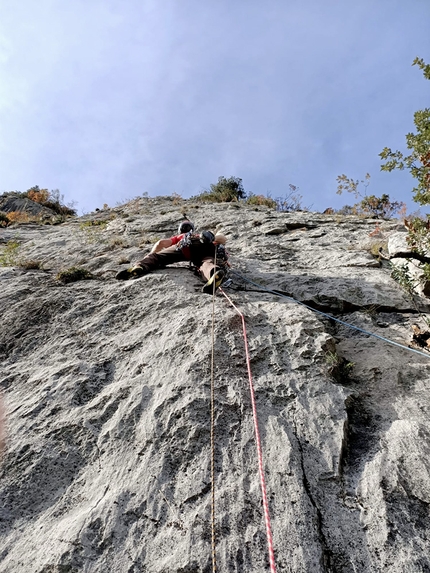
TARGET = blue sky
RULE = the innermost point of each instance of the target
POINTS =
(108, 99)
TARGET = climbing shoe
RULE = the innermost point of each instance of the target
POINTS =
(137, 271)
(216, 279)
(131, 273)
(123, 275)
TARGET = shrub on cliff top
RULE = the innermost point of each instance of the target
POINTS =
(225, 191)
(51, 199)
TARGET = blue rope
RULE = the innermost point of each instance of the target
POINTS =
(332, 317)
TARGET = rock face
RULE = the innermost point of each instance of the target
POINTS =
(107, 396)
(10, 203)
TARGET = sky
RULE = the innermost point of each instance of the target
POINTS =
(108, 99)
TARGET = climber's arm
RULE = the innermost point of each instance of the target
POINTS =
(161, 244)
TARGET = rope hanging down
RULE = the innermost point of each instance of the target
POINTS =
(213, 428)
(258, 442)
(331, 317)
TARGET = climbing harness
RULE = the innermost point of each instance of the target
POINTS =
(331, 317)
(258, 441)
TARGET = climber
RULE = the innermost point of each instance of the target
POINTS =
(198, 248)
(184, 227)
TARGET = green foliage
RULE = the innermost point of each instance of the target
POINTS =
(426, 272)
(418, 238)
(9, 254)
(369, 205)
(402, 275)
(418, 161)
(225, 191)
(381, 207)
(337, 366)
(93, 223)
(10, 257)
(231, 190)
(74, 274)
(418, 241)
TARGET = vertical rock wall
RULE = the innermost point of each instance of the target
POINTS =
(107, 395)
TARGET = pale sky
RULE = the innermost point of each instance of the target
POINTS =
(108, 99)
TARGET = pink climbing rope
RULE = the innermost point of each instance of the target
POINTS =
(258, 441)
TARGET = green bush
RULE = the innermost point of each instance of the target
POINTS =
(381, 207)
(418, 237)
(225, 191)
(74, 274)
(402, 275)
(232, 190)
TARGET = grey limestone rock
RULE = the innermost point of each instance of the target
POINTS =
(106, 387)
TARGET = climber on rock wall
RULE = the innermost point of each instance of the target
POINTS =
(198, 248)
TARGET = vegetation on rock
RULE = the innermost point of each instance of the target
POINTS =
(34, 205)
(224, 191)
(74, 274)
(51, 199)
(418, 161)
(9, 253)
(369, 205)
(4, 219)
(232, 190)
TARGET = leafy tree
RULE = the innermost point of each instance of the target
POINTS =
(379, 207)
(418, 161)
